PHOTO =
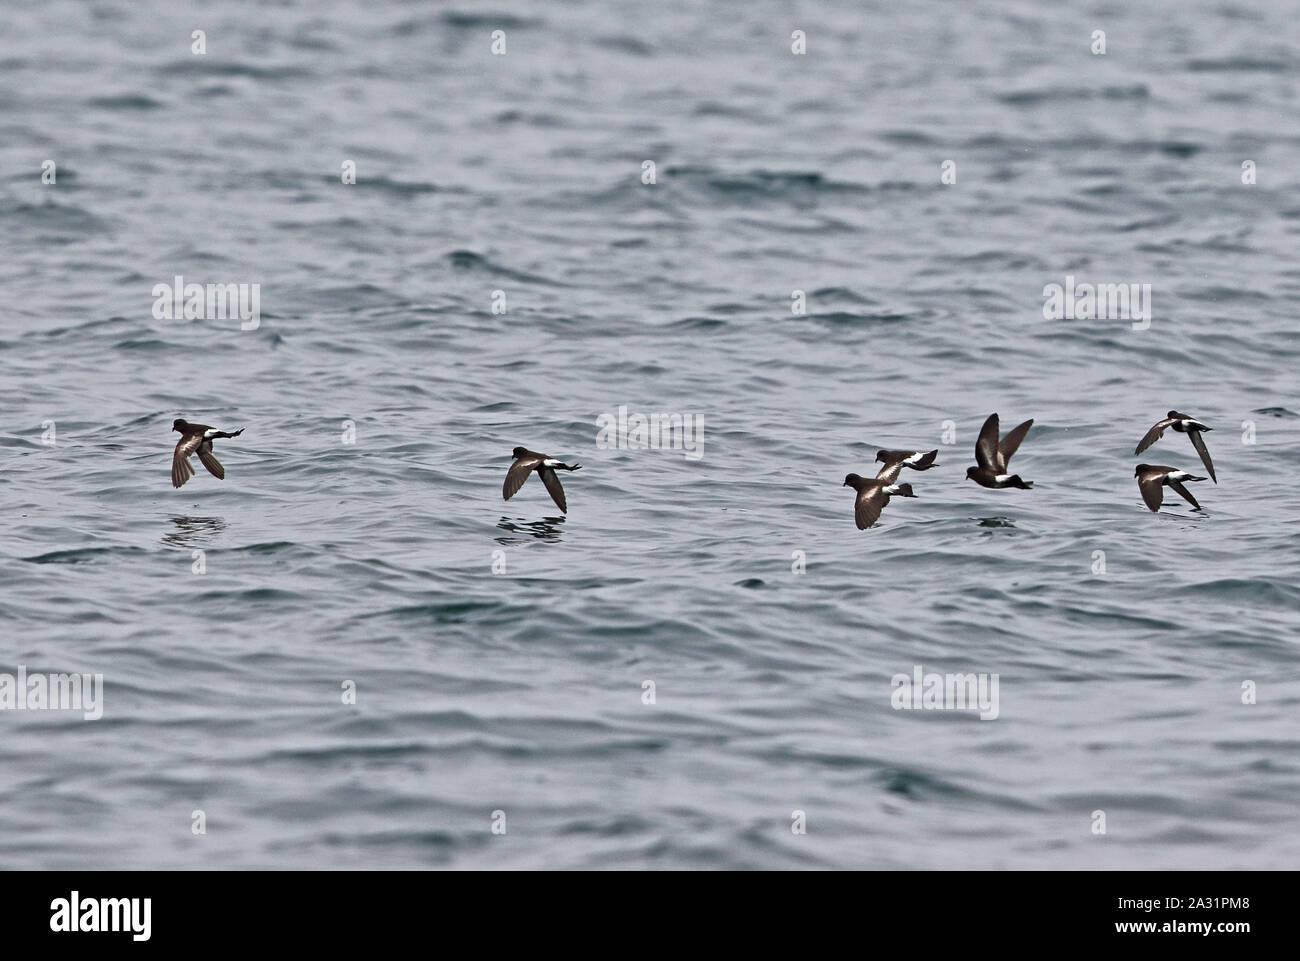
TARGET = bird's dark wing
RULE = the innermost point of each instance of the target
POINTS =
(1009, 444)
(181, 469)
(986, 446)
(1199, 443)
(1154, 434)
(1151, 484)
(871, 501)
(210, 461)
(1186, 494)
(518, 473)
(552, 482)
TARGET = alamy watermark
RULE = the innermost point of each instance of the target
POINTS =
(53, 692)
(657, 431)
(182, 301)
(919, 691)
(75, 914)
(1071, 301)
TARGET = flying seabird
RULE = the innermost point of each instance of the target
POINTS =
(196, 439)
(874, 493)
(917, 460)
(527, 461)
(1184, 425)
(994, 455)
(1152, 479)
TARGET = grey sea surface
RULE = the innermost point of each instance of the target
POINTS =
(736, 582)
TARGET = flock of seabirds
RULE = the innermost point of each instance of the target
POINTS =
(993, 453)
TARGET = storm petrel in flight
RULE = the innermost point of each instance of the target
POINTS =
(874, 493)
(196, 439)
(527, 461)
(994, 455)
(1184, 425)
(1152, 479)
(917, 460)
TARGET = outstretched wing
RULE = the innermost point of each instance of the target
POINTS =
(1151, 484)
(210, 461)
(1199, 443)
(552, 482)
(986, 446)
(1154, 434)
(1011, 443)
(1187, 495)
(871, 501)
(181, 469)
(889, 473)
(517, 474)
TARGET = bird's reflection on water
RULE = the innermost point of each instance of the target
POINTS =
(194, 531)
(996, 522)
(547, 529)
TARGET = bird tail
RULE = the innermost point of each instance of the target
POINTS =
(1015, 481)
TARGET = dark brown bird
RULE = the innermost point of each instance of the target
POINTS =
(917, 460)
(1183, 424)
(874, 493)
(1154, 478)
(527, 461)
(993, 455)
(196, 439)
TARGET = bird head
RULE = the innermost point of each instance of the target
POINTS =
(519, 452)
(972, 471)
(850, 480)
(179, 425)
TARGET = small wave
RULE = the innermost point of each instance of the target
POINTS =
(1054, 95)
(85, 555)
(398, 188)
(202, 66)
(50, 219)
(468, 260)
(1240, 65)
(465, 20)
(774, 183)
(626, 43)
(129, 101)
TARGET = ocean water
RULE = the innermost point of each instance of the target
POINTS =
(500, 652)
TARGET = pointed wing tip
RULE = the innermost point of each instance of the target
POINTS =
(552, 481)
(1199, 443)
